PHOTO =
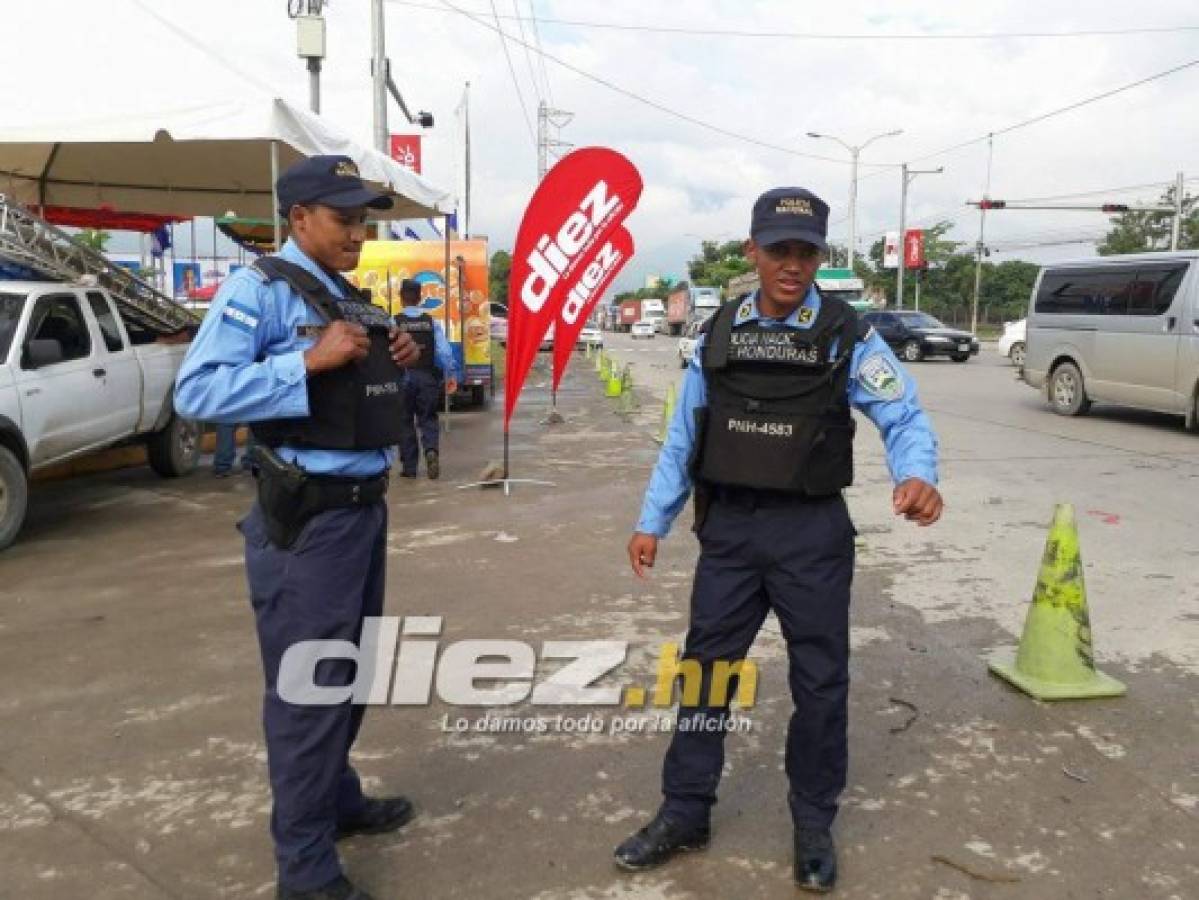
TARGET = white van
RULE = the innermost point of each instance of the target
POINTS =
(1117, 329)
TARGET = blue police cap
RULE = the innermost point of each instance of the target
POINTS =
(789, 214)
(327, 180)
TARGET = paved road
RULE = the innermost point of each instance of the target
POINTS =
(1132, 476)
(131, 759)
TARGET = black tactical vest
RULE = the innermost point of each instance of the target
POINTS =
(778, 415)
(358, 406)
(421, 330)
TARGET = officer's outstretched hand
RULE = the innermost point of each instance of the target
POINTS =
(340, 342)
(918, 501)
(404, 350)
(642, 550)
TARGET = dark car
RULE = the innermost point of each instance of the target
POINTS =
(914, 335)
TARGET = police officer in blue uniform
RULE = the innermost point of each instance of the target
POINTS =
(291, 347)
(764, 433)
(422, 389)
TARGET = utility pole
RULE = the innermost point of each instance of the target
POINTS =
(854, 152)
(466, 144)
(1176, 231)
(310, 43)
(980, 247)
(906, 177)
(545, 118)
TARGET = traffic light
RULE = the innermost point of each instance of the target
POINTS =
(1114, 208)
(992, 204)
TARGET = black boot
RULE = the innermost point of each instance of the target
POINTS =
(377, 817)
(658, 841)
(433, 464)
(815, 860)
(340, 888)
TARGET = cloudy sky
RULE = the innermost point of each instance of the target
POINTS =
(728, 93)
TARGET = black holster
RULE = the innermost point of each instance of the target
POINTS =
(289, 497)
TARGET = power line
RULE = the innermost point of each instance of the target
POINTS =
(653, 104)
(828, 36)
(528, 55)
(545, 75)
(1056, 112)
(511, 69)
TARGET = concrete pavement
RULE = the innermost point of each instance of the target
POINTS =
(131, 759)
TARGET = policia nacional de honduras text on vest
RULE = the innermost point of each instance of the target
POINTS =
(357, 406)
(420, 328)
(778, 415)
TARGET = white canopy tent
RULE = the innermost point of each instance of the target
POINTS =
(208, 160)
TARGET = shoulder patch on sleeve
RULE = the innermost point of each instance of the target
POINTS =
(239, 316)
(879, 377)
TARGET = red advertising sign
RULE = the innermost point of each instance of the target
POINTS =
(607, 260)
(913, 249)
(405, 149)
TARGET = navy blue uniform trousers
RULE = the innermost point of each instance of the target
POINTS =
(320, 589)
(422, 390)
(760, 553)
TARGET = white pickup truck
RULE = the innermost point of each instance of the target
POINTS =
(76, 377)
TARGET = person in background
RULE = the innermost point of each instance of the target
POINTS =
(226, 451)
(422, 386)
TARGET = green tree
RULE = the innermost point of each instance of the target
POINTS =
(498, 271)
(718, 262)
(1137, 232)
(95, 238)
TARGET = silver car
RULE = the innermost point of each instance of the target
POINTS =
(1117, 329)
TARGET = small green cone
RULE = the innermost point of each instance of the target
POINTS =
(1055, 660)
(667, 415)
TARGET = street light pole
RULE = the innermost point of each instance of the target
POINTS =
(907, 176)
(854, 153)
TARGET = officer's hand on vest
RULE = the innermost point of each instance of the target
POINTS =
(340, 342)
(918, 501)
(642, 550)
(404, 349)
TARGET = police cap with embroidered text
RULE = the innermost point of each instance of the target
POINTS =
(789, 214)
(330, 181)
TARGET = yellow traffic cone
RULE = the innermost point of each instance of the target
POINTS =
(1055, 660)
(667, 415)
(615, 383)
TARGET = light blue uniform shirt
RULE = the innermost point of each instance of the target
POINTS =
(247, 364)
(443, 356)
(878, 387)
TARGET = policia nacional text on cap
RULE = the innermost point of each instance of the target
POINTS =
(764, 434)
(293, 348)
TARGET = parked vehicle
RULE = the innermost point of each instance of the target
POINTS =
(629, 313)
(653, 311)
(75, 377)
(589, 337)
(1012, 343)
(686, 348)
(643, 329)
(465, 318)
(1117, 329)
(685, 303)
(917, 335)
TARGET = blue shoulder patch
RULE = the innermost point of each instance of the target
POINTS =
(879, 377)
(239, 316)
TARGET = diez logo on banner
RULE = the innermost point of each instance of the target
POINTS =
(405, 149)
(597, 275)
(572, 217)
(913, 249)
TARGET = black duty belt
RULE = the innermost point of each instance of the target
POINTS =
(755, 498)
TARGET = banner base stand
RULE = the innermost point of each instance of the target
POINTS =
(505, 483)
(554, 418)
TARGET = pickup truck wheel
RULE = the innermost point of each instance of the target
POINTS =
(911, 351)
(1066, 393)
(14, 496)
(175, 449)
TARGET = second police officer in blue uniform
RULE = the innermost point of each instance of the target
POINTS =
(765, 434)
(291, 347)
(423, 386)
